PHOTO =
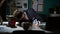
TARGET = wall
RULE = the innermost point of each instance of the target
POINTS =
(7, 10)
(50, 4)
(47, 4)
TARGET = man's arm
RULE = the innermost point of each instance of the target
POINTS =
(15, 12)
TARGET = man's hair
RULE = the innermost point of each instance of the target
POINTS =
(26, 25)
(18, 16)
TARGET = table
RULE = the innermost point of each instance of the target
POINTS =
(4, 29)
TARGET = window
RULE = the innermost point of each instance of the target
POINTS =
(19, 6)
(25, 5)
(38, 5)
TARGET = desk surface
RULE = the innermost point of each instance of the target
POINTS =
(55, 15)
(4, 28)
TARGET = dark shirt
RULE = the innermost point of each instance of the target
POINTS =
(32, 14)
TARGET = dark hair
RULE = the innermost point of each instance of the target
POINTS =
(26, 25)
(18, 16)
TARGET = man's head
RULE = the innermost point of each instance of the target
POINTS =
(26, 25)
(19, 15)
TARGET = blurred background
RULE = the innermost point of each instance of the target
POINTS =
(48, 10)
